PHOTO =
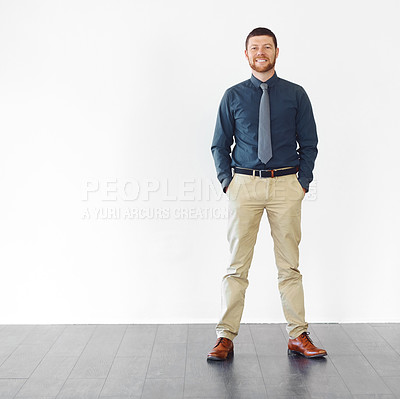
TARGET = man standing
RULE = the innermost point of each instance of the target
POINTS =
(272, 123)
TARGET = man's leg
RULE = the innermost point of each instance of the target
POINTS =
(284, 215)
(246, 206)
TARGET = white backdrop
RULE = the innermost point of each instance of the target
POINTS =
(110, 207)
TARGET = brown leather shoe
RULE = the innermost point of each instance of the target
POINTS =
(303, 345)
(222, 349)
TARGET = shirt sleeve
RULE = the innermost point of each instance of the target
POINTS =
(306, 136)
(222, 141)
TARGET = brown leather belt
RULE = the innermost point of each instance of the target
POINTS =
(268, 172)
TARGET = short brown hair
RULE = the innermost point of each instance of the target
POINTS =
(261, 32)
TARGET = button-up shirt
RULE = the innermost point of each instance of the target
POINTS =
(293, 131)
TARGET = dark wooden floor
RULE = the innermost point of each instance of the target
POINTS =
(169, 361)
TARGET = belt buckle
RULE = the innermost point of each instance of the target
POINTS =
(259, 172)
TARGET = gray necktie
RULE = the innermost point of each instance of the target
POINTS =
(264, 127)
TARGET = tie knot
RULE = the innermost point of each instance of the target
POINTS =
(264, 86)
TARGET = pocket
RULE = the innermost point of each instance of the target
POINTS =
(299, 185)
(230, 183)
(233, 188)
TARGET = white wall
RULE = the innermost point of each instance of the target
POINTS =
(120, 98)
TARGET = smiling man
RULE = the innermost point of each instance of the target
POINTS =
(271, 122)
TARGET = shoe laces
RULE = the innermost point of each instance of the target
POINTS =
(306, 335)
(220, 339)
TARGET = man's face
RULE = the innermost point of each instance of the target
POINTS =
(261, 53)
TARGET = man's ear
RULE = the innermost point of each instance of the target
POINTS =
(245, 53)
(277, 52)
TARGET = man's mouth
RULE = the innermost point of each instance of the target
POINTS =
(261, 60)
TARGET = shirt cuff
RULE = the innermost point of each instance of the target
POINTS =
(225, 183)
(304, 183)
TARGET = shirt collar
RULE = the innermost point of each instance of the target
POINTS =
(270, 82)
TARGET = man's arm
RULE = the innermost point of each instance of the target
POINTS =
(222, 142)
(306, 135)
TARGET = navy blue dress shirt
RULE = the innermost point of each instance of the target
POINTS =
(293, 131)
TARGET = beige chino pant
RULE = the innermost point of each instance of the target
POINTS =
(281, 197)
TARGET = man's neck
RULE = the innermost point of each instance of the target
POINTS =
(264, 76)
